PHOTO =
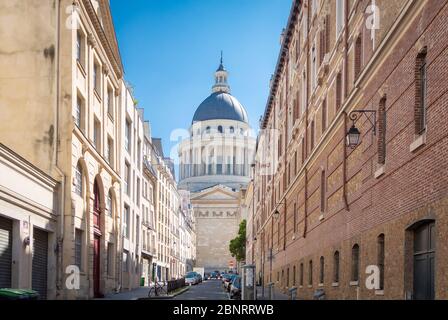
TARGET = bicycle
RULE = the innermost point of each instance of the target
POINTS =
(157, 289)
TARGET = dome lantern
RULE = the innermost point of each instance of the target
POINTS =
(221, 75)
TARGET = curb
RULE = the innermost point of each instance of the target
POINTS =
(167, 296)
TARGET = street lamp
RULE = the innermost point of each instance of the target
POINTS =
(353, 134)
(276, 212)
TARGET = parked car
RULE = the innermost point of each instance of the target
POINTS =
(228, 280)
(199, 278)
(214, 275)
(207, 276)
(191, 278)
(235, 288)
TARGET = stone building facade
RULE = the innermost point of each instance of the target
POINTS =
(324, 212)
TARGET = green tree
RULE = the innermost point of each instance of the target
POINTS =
(237, 246)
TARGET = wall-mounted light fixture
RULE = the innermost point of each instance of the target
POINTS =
(353, 134)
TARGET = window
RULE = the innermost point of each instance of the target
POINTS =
(138, 192)
(110, 151)
(312, 136)
(127, 136)
(79, 113)
(96, 205)
(125, 261)
(322, 191)
(358, 56)
(314, 66)
(301, 275)
(126, 225)
(324, 115)
(97, 78)
(294, 276)
(78, 180)
(381, 255)
(338, 91)
(382, 126)
(110, 103)
(339, 16)
(127, 173)
(97, 134)
(110, 259)
(322, 270)
(324, 40)
(232, 129)
(80, 48)
(220, 129)
(295, 218)
(207, 130)
(355, 263)
(78, 248)
(109, 204)
(310, 273)
(420, 115)
(336, 267)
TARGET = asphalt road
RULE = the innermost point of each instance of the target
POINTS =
(207, 290)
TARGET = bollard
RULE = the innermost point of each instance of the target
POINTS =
(270, 291)
(293, 293)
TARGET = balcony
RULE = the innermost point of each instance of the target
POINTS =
(148, 167)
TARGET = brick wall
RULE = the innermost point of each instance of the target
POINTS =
(366, 193)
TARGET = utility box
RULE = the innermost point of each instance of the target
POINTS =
(249, 288)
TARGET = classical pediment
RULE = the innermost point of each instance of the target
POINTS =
(215, 193)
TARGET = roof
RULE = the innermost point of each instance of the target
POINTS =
(157, 142)
(220, 105)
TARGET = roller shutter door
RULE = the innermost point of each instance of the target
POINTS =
(5, 252)
(40, 262)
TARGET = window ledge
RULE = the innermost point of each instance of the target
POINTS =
(379, 292)
(321, 217)
(310, 286)
(380, 171)
(320, 285)
(419, 141)
(354, 283)
(81, 68)
(335, 284)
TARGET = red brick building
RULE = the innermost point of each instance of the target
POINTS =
(329, 211)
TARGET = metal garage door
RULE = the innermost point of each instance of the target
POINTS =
(5, 252)
(40, 262)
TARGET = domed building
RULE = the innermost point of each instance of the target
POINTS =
(221, 146)
(214, 166)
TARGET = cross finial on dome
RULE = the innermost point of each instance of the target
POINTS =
(221, 65)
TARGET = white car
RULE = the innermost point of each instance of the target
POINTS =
(191, 278)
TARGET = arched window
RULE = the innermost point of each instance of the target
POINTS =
(96, 205)
(310, 273)
(355, 263)
(336, 267)
(301, 275)
(78, 180)
(220, 129)
(232, 129)
(207, 130)
(381, 254)
(322, 270)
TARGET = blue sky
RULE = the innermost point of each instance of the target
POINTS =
(170, 50)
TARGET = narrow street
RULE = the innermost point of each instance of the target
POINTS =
(207, 290)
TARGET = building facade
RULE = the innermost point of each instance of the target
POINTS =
(326, 212)
(214, 166)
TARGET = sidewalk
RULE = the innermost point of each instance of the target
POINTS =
(277, 294)
(135, 294)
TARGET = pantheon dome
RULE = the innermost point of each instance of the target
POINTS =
(221, 145)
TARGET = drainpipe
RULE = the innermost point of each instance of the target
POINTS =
(60, 238)
(344, 113)
(344, 164)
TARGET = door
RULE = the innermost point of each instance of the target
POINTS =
(5, 252)
(40, 262)
(96, 266)
(424, 256)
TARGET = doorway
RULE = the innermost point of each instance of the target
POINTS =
(424, 258)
